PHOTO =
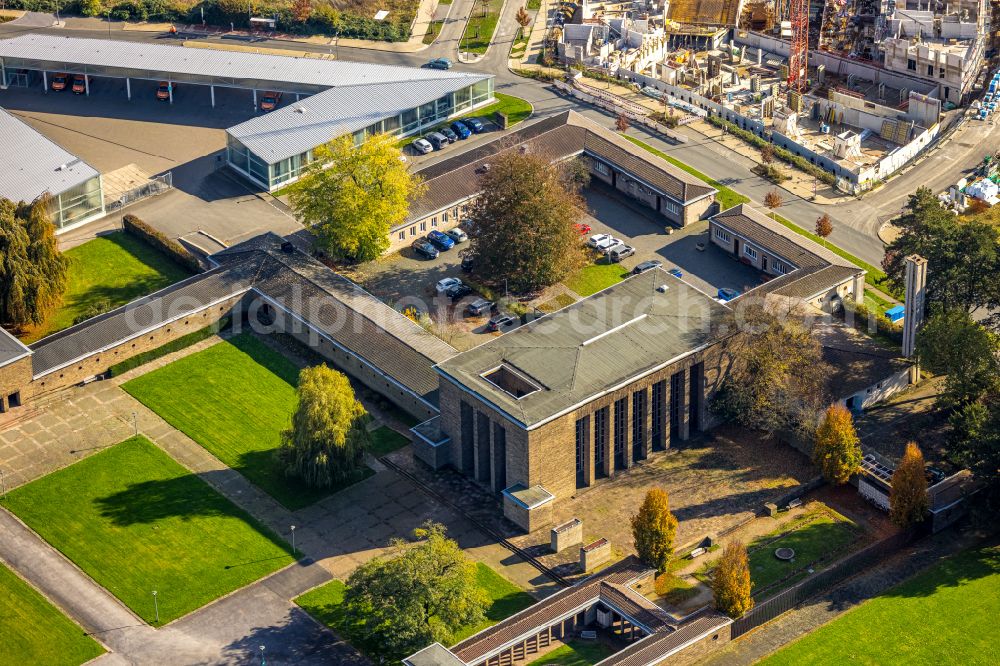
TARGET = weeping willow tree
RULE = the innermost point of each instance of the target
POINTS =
(328, 436)
(32, 270)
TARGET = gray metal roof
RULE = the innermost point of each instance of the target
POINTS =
(346, 314)
(234, 66)
(591, 347)
(31, 164)
(313, 121)
(11, 348)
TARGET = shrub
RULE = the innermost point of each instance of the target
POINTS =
(95, 309)
(866, 320)
(136, 227)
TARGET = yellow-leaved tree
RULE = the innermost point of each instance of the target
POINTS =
(731, 582)
(837, 450)
(908, 502)
(653, 530)
(350, 197)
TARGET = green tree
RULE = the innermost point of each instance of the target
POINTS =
(350, 197)
(837, 449)
(328, 436)
(908, 502)
(963, 255)
(776, 380)
(731, 582)
(414, 595)
(653, 530)
(974, 442)
(952, 343)
(32, 269)
(521, 226)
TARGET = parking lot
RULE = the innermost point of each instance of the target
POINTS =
(404, 279)
(186, 138)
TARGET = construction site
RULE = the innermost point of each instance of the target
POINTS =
(856, 87)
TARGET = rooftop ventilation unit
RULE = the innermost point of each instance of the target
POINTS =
(662, 288)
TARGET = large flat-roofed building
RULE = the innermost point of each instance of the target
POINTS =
(332, 97)
(32, 165)
(674, 195)
(580, 394)
(793, 265)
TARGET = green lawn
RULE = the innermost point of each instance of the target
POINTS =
(945, 615)
(111, 270)
(386, 440)
(575, 653)
(821, 533)
(433, 30)
(479, 30)
(324, 604)
(33, 631)
(233, 398)
(595, 277)
(136, 521)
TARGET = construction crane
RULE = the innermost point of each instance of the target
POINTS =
(798, 57)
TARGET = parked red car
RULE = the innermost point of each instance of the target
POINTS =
(581, 228)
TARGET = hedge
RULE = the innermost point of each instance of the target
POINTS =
(175, 345)
(782, 154)
(157, 240)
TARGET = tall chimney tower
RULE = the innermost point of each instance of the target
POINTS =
(913, 306)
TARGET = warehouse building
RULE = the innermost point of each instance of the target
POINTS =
(331, 97)
(31, 166)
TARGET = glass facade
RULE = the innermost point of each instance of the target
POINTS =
(77, 203)
(408, 122)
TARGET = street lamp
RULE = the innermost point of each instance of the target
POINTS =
(3, 485)
(293, 539)
(156, 607)
(262, 662)
(135, 422)
(109, 24)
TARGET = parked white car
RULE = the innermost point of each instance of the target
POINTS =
(602, 242)
(443, 285)
(422, 146)
(458, 235)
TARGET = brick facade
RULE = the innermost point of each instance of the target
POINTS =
(14, 379)
(547, 455)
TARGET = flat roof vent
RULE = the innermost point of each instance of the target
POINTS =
(662, 288)
(510, 381)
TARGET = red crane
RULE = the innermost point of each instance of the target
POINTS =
(798, 57)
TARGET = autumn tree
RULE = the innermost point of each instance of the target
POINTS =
(776, 381)
(302, 10)
(824, 226)
(350, 197)
(837, 449)
(414, 595)
(963, 255)
(328, 436)
(773, 199)
(521, 226)
(767, 153)
(32, 269)
(523, 20)
(621, 123)
(908, 502)
(731, 582)
(653, 530)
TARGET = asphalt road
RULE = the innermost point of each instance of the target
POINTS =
(856, 221)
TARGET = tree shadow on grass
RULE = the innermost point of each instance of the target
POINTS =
(266, 357)
(954, 572)
(184, 497)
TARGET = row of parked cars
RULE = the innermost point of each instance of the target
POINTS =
(455, 289)
(436, 242)
(445, 136)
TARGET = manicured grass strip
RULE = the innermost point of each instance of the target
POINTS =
(325, 604)
(946, 614)
(819, 535)
(479, 30)
(575, 653)
(877, 275)
(136, 521)
(233, 398)
(182, 342)
(386, 440)
(105, 273)
(595, 277)
(534, 4)
(33, 631)
(433, 30)
(727, 197)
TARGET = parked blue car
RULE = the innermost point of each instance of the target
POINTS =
(676, 272)
(440, 240)
(461, 130)
(726, 294)
(474, 124)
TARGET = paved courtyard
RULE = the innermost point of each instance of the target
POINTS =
(337, 534)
